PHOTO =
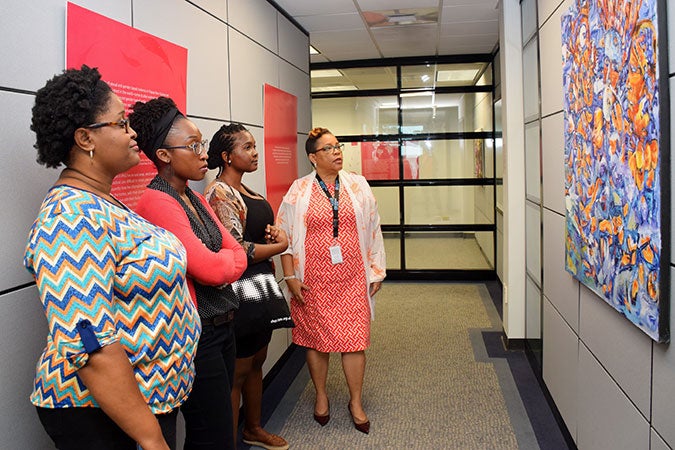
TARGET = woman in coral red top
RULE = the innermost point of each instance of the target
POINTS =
(333, 266)
(214, 258)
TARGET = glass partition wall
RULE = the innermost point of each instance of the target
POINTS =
(422, 132)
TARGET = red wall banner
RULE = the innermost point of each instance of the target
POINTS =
(136, 65)
(281, 143)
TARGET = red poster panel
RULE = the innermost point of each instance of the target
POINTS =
(136, 65)
(281, 143)
(379, 161)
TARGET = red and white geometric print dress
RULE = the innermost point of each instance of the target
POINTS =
(336, 313)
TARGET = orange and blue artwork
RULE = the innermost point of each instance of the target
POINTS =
(613, 176)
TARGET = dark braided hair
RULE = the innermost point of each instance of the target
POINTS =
(144, 120)
(223, 141)
(67, 102)
(313, 136)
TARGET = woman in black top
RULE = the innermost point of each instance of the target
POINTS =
(250, 219)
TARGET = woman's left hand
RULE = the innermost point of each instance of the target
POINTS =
(374, 287)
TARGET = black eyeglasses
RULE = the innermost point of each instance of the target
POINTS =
(330, 148)
(197, 147)
(124, 123)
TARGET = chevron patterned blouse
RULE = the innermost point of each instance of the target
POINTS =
(105, 275)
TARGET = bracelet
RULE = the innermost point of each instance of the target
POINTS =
(290, 277)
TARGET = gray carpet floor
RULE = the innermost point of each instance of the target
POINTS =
(429, 383)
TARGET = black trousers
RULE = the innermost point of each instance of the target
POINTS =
(89, 428)
(208, 409)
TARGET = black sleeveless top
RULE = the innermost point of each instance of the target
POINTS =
(259, 215)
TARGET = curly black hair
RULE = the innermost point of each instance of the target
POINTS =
(144, 119)
(68, 101)
(313, 136)
(223, 141)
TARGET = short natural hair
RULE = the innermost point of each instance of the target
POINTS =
(68, 101)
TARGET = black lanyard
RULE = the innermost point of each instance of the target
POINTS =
(334, 201)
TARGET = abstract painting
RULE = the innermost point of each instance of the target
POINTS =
(478, 158)
(614, 145)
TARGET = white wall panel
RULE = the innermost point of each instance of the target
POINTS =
(532, 310)
(622, 349)
(281, 339)
(553, 162)
(23, 333)
(256, 19)
(24, 185)
(499, 219)
(530, 81)
(546, 8)
(551, 65)
(293, 44)
(671, 33)
(528, 10)
(532, 161)
(658, 443)
(672, 169)
(607, 418)
(561, 365)
(663, 404)
(252, 67)
(533, 244)
(25, 23)
(205, 38)
(294, 81)
(559, 287)
(216, 7)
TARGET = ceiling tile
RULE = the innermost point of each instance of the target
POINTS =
(469, 13)
(470, 28)
(332, 22)
(379, 5)
(298, 8)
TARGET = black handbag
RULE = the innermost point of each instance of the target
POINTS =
(262, 305)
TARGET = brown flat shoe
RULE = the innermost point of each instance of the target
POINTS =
(270, 441)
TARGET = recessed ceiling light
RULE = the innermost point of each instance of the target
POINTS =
(334, 88)
(326, 73)
(313, 51)
(456, 75)
(400, 17)
(417, 94)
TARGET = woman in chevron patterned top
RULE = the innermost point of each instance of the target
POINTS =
(333, 267)
(122, 330)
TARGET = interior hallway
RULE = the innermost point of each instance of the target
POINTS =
(437, 377)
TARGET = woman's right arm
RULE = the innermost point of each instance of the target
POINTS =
(105, 371)
(229, 214)
(162, 210)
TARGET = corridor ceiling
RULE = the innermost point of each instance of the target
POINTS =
(371, 29)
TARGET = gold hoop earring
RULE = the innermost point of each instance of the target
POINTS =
(91, 154)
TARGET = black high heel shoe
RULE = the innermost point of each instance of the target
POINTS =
(323, 420)
(362, 427)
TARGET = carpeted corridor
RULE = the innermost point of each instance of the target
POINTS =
(436, 378)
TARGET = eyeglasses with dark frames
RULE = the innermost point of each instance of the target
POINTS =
(330, 148)
(124, 123)
(197, 147)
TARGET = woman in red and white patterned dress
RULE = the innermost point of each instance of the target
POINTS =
(334, 265)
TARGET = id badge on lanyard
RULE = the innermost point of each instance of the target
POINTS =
(334, 250)
(335, 253)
